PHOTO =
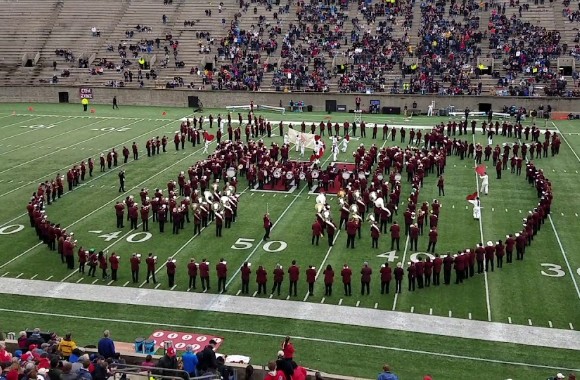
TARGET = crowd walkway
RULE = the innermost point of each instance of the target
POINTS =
(307, 311)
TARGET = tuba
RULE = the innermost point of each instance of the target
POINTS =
(379, 203)
(208, 196)
(373, 196)
(371, 218)
(216, 207)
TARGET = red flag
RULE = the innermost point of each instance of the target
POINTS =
(480, 169)
(471, 197)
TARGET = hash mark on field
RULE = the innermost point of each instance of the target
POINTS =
(322, 300)
(288, 297)
(94, 282)
(48, 278)
(412, 309)
(263, 194)
(308, 197)
(530, 322)
(450, 313)
(576, 214)
(376, 305)
(340, 302)
(5, 274)
(467, 207)
(238, 293)
(571, 327)
(452, 206)
(562, 213)
(125, 284)
(274, 195)
(252, 194)
(509, 320)
(20, 275)
(550, 323)
(492, 209)
(33, 277)
(520, 211)
(256, 292)
(173, 287)
(357, 303)
(110, 282)
(286, 196)
(430, 311)
(469, 316)
(271, 295)
(158, 285)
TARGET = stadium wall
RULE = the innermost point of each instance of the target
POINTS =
(216, 99)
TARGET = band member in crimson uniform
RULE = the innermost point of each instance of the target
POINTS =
(447, 266)
(135, 151)
(245, 271)
(399, 274)
(351, 229)
(419, 272)
(135, 261)
(261, 279)
(278, 278)
(346, 274)
(83, 257)
(411, 276)
(328, 280)
(68, 252)
(428, 270)
(386, 275)
(219, 222)
(365, 278)
(437, 264)
(479, 256)
(103, 264)
(459, 263)
(162, 217)
(114, 261)
(171, 267)
(93, 262)
(151, 261)
(91, 164)
(499, 253)
(330, 230)
(432, 240)
(395, 235)
(192, 273)
(204, 275)
(222, 272)
(375, 234)
(267, 226)
(133, 214)
(120, 211)
(145, 217)
(489, 255)
(316, 231)
(310, 278)
(294, 275)
(510, 243)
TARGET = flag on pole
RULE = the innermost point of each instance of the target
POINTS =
(480, 169)
(471, 197)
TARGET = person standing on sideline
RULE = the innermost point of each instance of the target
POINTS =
(267, 226)
(121, 181)
(365, 278)
(85, 103)
(346, 275)
(115, 105)
(399, 274)
(387, 374)
(171, 267)
(328, 280)
(151, 261)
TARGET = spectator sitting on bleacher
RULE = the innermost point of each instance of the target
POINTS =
(5, 356)
(35, 338)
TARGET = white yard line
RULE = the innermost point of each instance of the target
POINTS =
(402, 261)
(487, 301)
(47, 175)
(566, 141)
(572, 273)
(20, 122)
(29, 130)
(138, 186)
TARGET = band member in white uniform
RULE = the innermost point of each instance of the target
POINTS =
(476, 208)
(344, 145)
(484, 183)
(334, 152)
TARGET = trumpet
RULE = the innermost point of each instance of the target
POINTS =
(357, 195)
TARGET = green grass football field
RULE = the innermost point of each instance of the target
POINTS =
(542, 290)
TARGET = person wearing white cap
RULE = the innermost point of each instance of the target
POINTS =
(484, 183)
(489, 255)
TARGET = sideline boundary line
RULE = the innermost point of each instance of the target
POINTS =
(272, 335)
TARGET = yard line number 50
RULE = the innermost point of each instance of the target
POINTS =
(271, 246)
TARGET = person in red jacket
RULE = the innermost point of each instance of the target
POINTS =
(328, 280)
(437, 264)
(103, 264)
(267, 226)
(510, 243)
(294, 274)
(399, 273)
(135, 261)
(479, 256)
(499, 253)
(316, 232)
(261, 279)
(83, 257)
(489, 255)
(114, 261)
(395, 235)
(414, 232)
(171, 267)
(346, 274)
(192, 273)
(386, 275)
(204, 274)
(278, 278)
(119, 211)
(310, 278)
(459, 263)
(245, 271)
(365, 278)
(222, 272)
(419, 272)
(432, 240)
(151, 261)
(375, 234)
(411, 275)
(351, 230)
(428, 271)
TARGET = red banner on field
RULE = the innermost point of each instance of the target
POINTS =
(471, 197)
(182, 339)
(480, 169)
